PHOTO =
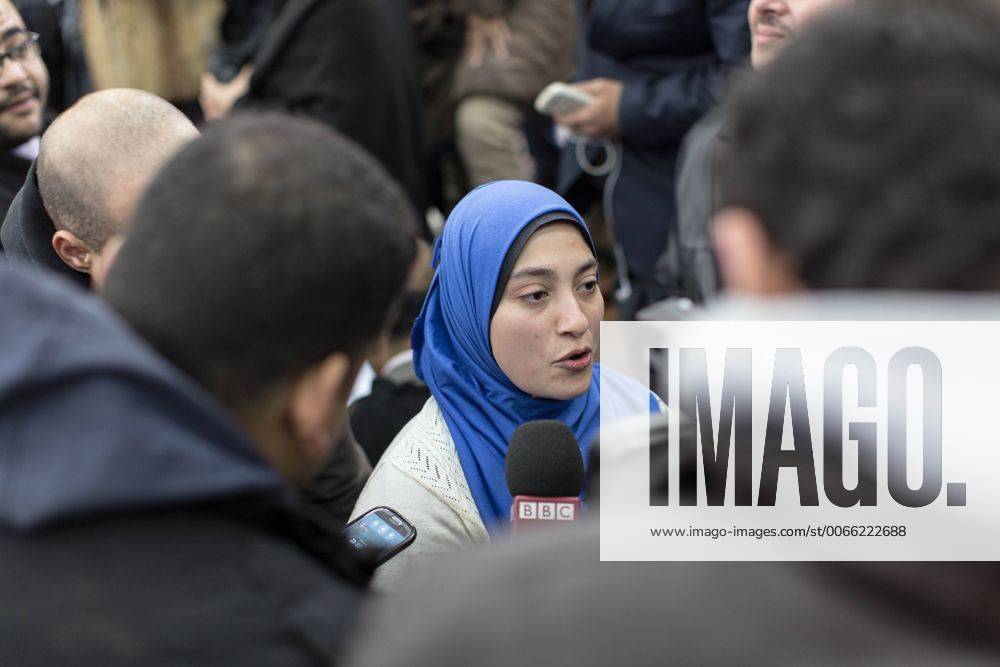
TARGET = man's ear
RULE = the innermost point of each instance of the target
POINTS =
(749, 262)
(318, 404)
(74, 252)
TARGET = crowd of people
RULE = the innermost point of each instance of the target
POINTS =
(343, 278)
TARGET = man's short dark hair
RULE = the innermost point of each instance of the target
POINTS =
(869, 147)
(260, 249)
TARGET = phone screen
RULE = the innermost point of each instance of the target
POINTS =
(379, 534)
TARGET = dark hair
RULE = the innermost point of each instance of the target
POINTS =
(869, 147)
(260, 249)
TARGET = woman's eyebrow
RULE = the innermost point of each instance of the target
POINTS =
(533, 272)
(542, 272)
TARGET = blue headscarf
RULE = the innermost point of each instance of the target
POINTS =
(451, 340)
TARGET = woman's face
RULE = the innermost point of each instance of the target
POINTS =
(546, 329)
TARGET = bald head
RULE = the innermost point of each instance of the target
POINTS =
(98, 156)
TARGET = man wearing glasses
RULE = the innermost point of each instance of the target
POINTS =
(24, 84)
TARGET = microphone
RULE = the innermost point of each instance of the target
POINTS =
(544, 471)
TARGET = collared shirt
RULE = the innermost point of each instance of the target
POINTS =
(395, 361)
(29, 149)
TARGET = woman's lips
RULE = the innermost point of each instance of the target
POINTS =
(577, 363)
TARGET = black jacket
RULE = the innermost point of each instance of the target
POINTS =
(138, 525)
(352, 65)
(27, 233)
(13, 170)
(243, 27)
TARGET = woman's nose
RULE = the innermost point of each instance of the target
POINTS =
(571, 318)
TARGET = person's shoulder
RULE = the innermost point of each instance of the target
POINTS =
(701, 140)
(425, 450)
(421, 467)
(624, 397)
(376, 419)
(318, 608)
(387, 395)
(421, 477)
(426, 429)
(397, 476)
(194, 580)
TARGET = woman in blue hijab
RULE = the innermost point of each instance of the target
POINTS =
(507, 335)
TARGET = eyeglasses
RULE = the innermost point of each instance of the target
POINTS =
(23, 51)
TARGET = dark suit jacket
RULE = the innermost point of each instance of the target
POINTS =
(13, 170)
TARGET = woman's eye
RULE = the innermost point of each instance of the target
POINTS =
(534, 297)
(589, 286)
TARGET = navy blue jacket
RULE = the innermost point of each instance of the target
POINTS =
(27, 230)
(138, 523)
(673, 57)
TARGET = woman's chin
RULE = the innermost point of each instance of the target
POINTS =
(565, 388)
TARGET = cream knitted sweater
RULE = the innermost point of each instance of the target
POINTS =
(420, 477)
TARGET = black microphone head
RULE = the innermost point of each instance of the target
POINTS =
(544, 460)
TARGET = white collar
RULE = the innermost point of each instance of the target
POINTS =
(29, 149)
(395, 361)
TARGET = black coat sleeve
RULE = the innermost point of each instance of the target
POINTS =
(315, 62)
(350, 64)
(659, 110)
(244, 25)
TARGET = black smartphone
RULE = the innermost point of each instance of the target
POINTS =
(379, 534)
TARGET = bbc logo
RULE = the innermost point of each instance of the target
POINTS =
(546, 511)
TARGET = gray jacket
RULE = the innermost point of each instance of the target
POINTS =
(693, 259)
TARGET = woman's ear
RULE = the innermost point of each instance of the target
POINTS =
(749, 262)
(318, 405)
